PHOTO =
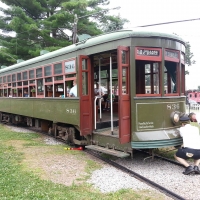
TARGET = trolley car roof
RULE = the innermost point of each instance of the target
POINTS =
(96, 40)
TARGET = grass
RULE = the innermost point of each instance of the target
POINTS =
(17, 182)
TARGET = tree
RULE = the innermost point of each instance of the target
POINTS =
(42, 24)
(188, 56)
(113, 23)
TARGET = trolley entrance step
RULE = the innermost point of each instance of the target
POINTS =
(112, 152)
(106, 124)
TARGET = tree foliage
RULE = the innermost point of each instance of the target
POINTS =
(42, 24)
(189, 55)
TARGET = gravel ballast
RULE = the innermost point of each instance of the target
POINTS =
(170, 176)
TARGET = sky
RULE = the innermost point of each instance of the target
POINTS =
(144, 12)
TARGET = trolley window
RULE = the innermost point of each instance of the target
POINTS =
(40, 87)
(39, 73)
(13, 77)
(182, 79)
(4, 79)
(147, 78)
(104, 74)
(9, 78)
(170, 77)
(58, 68)
(31, 74)
(47, 71)
(124, 80)
(58, 78)
(84, 77)
(19, 76)
(48, 80)
(24, 75)
(25, 82)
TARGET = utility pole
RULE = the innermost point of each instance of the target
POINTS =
(74, 35)
(74, 38)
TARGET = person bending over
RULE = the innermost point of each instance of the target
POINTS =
(193, 117)
(191, 146)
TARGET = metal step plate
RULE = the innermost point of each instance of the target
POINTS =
(112, 152)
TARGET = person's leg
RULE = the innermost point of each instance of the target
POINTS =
(109, 104)
(196, 162)
(182, 161)
(181, 158)
(106, 104)
(196, 166)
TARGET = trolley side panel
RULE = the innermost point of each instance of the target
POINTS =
(58, 110)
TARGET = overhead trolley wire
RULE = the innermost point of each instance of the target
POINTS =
(172, 22)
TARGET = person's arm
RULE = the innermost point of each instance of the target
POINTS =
(70, 93)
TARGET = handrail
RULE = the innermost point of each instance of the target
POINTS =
(111, 98)
(95, 109)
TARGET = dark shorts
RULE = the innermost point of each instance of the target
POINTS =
(187, 153)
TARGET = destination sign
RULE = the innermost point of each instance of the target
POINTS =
(148, 52)
(171, 54)
(70, 66)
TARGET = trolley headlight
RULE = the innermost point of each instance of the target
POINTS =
(175, 117)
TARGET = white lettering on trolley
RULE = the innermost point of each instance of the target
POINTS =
(174, 106)
(71, 111)
(147, 52)
(70, 66)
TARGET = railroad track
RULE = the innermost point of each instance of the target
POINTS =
(160, 157)
(120, 167)
(137, 176)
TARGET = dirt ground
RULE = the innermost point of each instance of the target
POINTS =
(64, 169)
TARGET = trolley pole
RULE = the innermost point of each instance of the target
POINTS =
(74, 38)
(76, 18)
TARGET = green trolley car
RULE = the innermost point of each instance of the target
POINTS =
(144, 71)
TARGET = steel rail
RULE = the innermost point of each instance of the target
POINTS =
(138, 176)
(160, 157)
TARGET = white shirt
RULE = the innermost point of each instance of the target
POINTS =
(191, 137)
(73, 91)
(197, 118)
(102, 91)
